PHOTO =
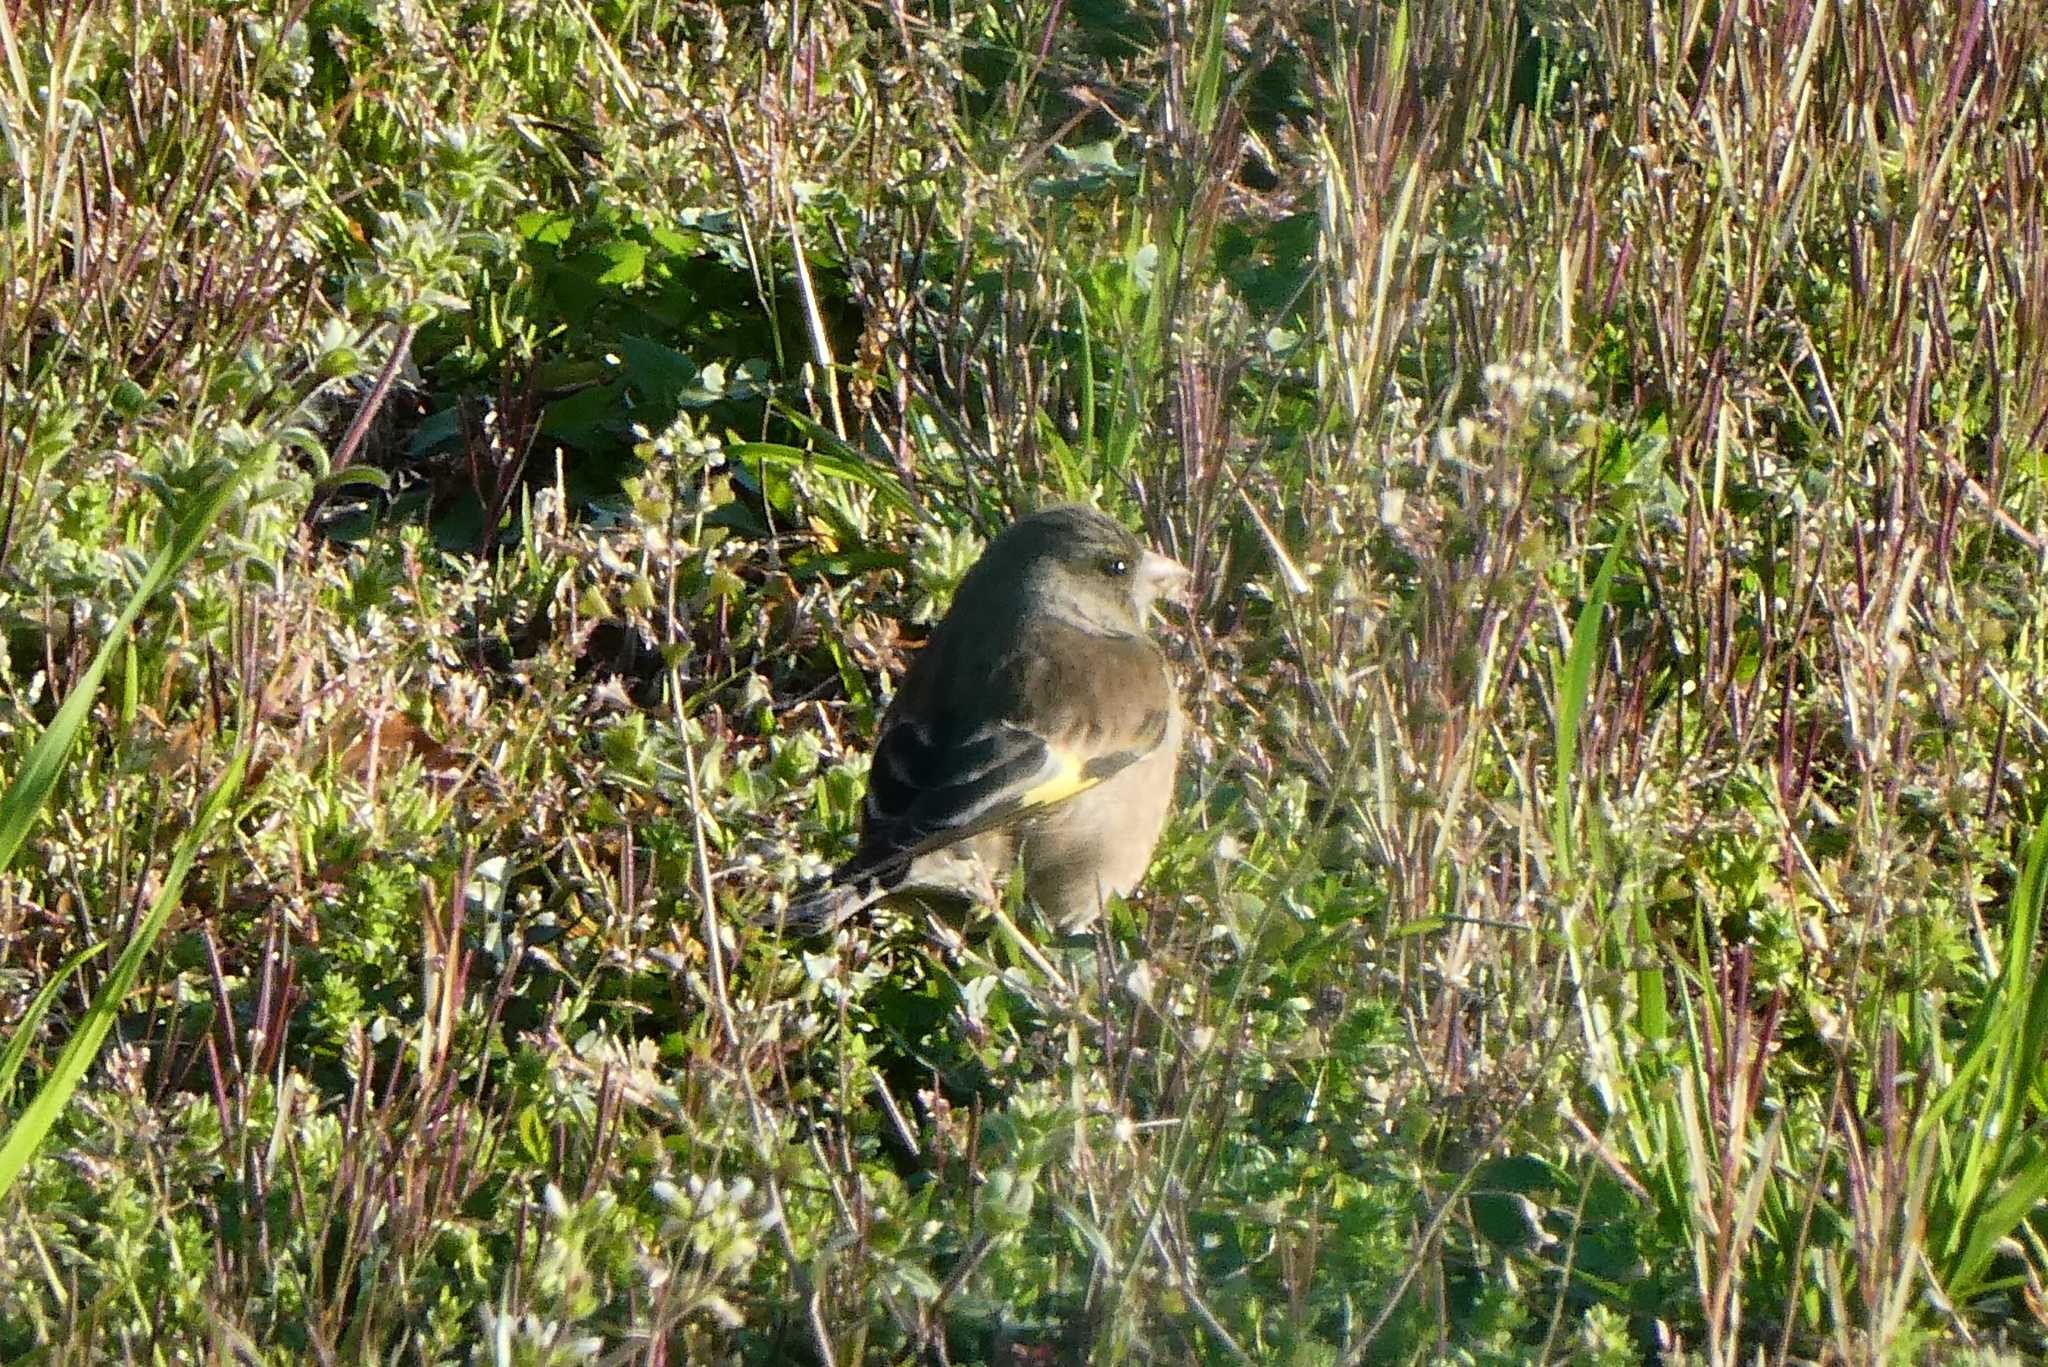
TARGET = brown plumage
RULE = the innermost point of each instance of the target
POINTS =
(1040, 723)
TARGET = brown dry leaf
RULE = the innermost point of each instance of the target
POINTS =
(879, 646)
(385, 742)
(177, 747)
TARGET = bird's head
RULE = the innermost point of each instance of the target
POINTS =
(1086, 565)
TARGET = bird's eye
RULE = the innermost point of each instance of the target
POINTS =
(1116, 567)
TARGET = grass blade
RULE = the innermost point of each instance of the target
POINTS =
(27, 1132)
(39, 772)
(1573, 689)
(25, 1028)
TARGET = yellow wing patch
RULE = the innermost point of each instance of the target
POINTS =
(1069, 778)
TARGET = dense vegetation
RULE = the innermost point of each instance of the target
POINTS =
(470, 472)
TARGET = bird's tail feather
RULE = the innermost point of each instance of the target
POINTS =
(822, 909)
(958, 874)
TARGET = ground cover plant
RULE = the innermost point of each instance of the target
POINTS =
(471, 472)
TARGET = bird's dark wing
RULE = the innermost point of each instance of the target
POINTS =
(1064, 709)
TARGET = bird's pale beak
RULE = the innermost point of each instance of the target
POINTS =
(1163, 577)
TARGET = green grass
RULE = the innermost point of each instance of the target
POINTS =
(1602, 917)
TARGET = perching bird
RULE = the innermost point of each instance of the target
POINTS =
(1039, 723)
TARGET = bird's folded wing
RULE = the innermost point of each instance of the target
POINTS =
(1076, 708)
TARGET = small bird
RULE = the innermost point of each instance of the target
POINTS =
(1040, 723)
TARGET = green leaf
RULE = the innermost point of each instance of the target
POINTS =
(628, 263)
(844, 564)
(350, 475)
(547, 229)
(1508, 1219)
(840, 464)
(662, 375)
